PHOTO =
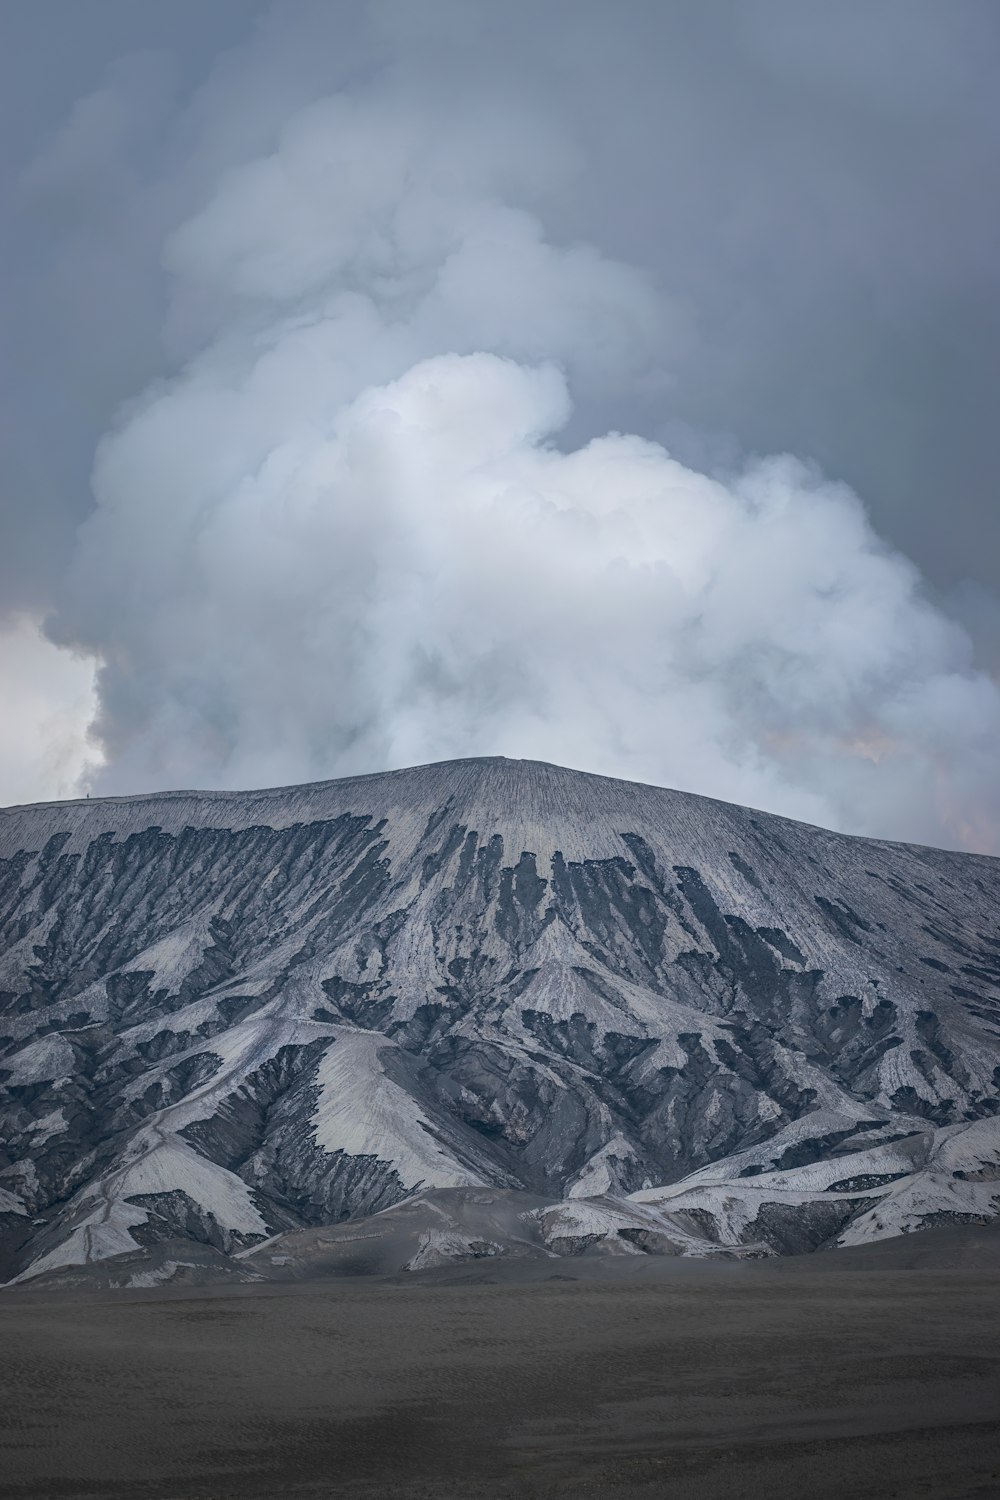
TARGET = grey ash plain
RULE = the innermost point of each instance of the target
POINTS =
(494, 1128)
(872, 1373)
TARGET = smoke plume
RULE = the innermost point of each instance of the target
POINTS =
(369, 523)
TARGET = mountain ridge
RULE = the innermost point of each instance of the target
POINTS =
(306, 795)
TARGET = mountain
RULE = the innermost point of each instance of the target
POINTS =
(543, 1012)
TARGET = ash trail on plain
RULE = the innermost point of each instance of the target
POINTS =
(486, 1008)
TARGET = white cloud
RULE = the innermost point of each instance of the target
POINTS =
(48, 697)
(344, 539)
(425, 576)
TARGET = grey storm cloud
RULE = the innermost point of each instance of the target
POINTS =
(430, 353)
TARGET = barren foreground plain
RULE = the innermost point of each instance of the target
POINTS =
(872, 1372)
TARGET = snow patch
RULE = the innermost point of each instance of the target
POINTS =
(362, 1112)
(602, 1174)
(54, 1123)
(44, 1061)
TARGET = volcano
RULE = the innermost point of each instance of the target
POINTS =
(486, 1008)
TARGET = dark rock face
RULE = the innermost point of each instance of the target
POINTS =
(224, 1017)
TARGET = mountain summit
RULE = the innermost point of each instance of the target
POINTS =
(523, 1009)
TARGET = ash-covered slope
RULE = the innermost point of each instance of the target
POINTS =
(228, 1016)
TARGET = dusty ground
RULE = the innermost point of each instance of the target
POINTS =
(820, 1378)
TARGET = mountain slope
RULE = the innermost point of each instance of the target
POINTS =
(228, 1016)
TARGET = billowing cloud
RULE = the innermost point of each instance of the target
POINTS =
(347, 536)
(49, 700)
(385, 296)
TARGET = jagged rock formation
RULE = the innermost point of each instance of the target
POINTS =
(671, 1024)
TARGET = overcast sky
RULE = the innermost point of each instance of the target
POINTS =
(609, 384)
